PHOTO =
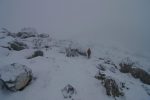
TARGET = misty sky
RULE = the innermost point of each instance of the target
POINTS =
(124, 21)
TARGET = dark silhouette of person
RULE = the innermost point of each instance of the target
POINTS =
(89, 53)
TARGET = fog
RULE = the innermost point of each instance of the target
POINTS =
(126, 22)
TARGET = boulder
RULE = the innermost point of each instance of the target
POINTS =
(15, 76)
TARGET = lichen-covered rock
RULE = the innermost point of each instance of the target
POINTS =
(68, 91)
(15, 45)
(15, 76)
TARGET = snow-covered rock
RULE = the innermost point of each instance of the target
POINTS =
(15, 45)
(36, 54)
(15, 76)
(43, 35)
(112, 87)
(69, 91)
(26, 33)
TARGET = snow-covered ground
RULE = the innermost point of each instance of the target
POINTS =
(54, 71)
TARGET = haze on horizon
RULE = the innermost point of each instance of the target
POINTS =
(125, 22)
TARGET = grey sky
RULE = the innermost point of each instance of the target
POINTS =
(124, 21)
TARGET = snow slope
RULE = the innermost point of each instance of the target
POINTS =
(54, 71)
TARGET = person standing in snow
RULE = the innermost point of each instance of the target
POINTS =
(89, 53)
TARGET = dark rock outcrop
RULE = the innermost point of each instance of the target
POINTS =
(128, 66)
(141, 74)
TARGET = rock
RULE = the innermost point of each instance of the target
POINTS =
(15, 76)
(108, 61)
(1, 84)
(7, 32)
(71, 52)
(24, 35)
(101, 67)
(43, 35)
(125, 68)
(141, 74)
(15, 45)
(27, 32)
(36, 54)
(74, 52)
(100, 76)
(112, 88)
(128, 66)
(68, 91)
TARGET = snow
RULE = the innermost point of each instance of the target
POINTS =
(54, 71)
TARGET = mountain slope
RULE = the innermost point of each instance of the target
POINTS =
(54, 71)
